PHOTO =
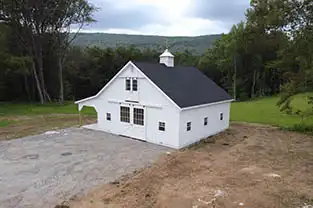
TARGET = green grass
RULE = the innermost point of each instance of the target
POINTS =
(9, 109)
(262, 111)
(265, 111)
(4, 123)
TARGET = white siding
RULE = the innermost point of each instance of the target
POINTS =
(156, 105)
(198, 129)
(158, 108)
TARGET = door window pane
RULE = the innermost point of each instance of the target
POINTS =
(139, 116)
(125, 114)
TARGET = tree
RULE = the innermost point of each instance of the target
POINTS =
(35, 22)
(30, 21)
(67, 15)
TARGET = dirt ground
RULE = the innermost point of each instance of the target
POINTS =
(246, 166)
(21, 126)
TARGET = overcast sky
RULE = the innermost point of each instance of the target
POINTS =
(167, 17)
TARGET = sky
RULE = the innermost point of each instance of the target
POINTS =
(167, 17)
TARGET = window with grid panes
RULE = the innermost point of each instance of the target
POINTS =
(139, 116)
(127, 84)
(125, 114)
(161, 126)
(109, 116)
(188, 126)
(135, 85)
(206, 121)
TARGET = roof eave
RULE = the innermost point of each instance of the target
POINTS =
(86, 99)
(207, 104)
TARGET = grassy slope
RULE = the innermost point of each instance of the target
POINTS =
(265, 111)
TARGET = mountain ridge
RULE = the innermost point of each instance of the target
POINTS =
(194, 44)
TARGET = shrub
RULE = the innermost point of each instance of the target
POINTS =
(302, 127)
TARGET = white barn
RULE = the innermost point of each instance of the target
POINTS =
(161, 103)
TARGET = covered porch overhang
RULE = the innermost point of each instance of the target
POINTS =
(88, 102)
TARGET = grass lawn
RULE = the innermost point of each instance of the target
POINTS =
(10, 109)
(265, 111)
(18, 120)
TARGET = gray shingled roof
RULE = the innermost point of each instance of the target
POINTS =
(186, 86)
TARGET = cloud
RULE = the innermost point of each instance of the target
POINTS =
(167, 17)
(122, 14)
(227, 11)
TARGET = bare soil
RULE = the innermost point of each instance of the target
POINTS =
(21, 126)
(246, 166)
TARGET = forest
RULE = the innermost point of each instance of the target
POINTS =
(196, 45)
(268, 53)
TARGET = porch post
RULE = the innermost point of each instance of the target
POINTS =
(80, 119)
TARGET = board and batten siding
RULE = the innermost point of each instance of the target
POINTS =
(198, 129)
(157, 108)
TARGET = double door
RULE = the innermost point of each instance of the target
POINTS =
(133, 120)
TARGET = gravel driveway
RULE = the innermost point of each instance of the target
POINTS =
(43, 170)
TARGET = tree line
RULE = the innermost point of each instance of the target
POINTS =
(269, 53)
(38, 27)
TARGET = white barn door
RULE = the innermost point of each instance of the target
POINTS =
(138, 122)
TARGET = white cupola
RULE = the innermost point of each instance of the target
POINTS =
(167, 58)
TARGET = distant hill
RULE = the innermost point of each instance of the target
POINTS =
(196, 44)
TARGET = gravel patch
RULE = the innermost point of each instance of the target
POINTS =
(43, 170)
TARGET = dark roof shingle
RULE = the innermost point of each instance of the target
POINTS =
(186, 86)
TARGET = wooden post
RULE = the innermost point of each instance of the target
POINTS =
(80, 119)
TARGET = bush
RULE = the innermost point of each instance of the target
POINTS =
(302, 127)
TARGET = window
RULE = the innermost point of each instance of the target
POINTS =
(127, 84)
(161, 126)
(139, 116)
(206, 121)
(109, 116)
(221, 116)
(125, 117)
(135, 85)
(188, 126)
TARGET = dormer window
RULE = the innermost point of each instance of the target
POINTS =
(135, 85)
(127, 84)
(131, 84)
